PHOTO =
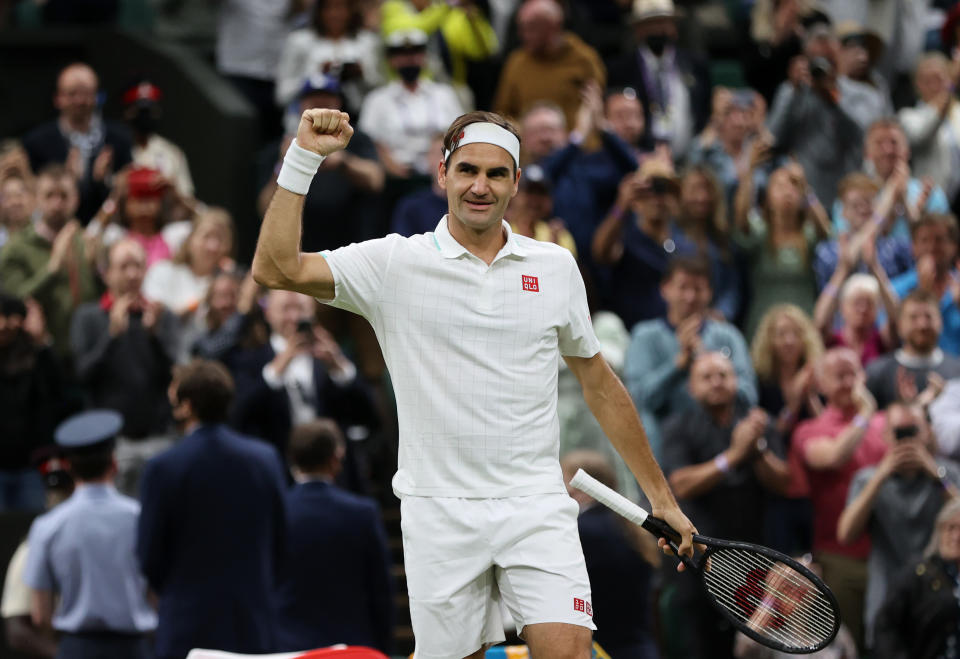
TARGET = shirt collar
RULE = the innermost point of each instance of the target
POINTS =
(450, 248)
(87, 490)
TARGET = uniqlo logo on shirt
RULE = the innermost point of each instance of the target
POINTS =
(530, 284)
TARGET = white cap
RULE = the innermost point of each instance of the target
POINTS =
(410, 38)
(484, 132)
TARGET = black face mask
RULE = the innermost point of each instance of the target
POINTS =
(145, 122)
(657, 43)
(410, 73)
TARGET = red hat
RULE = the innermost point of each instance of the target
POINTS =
(144, 92)
(143, 182)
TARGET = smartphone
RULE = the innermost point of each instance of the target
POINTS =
(906, 432)
(305, 326)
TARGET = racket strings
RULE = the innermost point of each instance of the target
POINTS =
(770, 598)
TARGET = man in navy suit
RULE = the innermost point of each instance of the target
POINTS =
(671, 82)
(336, 585)
(212, 527)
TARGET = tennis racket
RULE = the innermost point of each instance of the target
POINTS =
(767, 595)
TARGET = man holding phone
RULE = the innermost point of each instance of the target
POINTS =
(897, 500)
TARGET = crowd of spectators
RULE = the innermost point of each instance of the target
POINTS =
(772, 267)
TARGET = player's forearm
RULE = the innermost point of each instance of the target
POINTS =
(276, 263)
(613, 408)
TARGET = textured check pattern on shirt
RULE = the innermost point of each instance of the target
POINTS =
(473, 356)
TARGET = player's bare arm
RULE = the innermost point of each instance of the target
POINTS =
(612, 406)
(278, 261)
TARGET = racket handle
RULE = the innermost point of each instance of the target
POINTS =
(608, 497)
(661, 529)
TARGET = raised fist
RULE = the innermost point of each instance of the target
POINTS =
(324, 131)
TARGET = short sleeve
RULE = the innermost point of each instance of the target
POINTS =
(577, 338)
(802, 434)
(676, 452)
(37, 572)
(359, 270)
(16, 595)
(858, 483)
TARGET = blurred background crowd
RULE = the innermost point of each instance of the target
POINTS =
(761, 195)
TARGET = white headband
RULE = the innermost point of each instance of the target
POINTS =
(485, 132)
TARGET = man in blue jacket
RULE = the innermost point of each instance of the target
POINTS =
(336, 585)
(212, 527)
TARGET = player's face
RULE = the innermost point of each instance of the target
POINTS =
(479, 183)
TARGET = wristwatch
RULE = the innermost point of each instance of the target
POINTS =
(762, 445)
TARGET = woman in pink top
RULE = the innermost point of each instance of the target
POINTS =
(142, 212)
(859, 300)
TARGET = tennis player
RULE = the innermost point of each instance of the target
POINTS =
(472, 319)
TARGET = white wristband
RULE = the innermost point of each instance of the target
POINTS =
(299, 166)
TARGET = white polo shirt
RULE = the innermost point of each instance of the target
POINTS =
(473, 353)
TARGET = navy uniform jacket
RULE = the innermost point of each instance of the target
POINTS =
(336, 586)
(211, 535)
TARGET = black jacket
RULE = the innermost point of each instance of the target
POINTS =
(31, 400)
(920, 613)
(628, 72)
(45, 144)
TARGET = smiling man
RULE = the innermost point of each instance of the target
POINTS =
(471, 318)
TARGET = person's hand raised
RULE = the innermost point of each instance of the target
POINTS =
(324, 131)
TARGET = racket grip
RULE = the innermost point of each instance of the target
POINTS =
(661, 529)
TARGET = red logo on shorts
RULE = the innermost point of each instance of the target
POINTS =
(531, 284)
(582, 606)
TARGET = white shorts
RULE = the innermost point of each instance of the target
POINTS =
(463, 555)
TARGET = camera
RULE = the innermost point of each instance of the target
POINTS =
(820, 68)
(659, 185)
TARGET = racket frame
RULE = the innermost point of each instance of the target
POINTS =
(659, 528)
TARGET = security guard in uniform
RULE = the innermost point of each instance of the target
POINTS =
(84, 552)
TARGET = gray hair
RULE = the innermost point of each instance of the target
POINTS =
(950, 509)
